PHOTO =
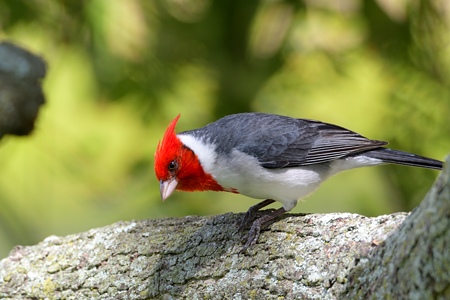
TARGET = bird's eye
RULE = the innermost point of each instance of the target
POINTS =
(173, 165)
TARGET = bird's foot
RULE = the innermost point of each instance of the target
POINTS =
(252, 235)
(255, 230)
(248, 217)
(251, 213)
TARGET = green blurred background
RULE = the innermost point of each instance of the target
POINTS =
(119, 71)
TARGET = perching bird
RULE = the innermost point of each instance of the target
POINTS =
(266, 156)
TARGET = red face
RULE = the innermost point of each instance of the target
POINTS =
(168, 152)
(177, 166)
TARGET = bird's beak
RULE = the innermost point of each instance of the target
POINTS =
(167, 187)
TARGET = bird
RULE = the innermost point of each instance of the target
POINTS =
(267, 156)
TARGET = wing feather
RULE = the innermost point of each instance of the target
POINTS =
(284, 142)
(323, 143)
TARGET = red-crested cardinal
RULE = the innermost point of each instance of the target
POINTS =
(266, 156)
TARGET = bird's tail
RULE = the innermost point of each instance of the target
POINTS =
(404, 158)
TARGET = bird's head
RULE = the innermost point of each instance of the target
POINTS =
(178, 167)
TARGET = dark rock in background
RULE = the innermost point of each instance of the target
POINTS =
(21, 94)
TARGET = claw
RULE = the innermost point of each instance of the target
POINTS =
(251, 212)
(249, 215)
(252, 236)
(255, 230)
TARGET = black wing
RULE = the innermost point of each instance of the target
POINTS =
(333, 142)
(283, 142)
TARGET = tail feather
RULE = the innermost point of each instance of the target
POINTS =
(404, 158)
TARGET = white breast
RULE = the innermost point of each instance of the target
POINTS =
(287, 185)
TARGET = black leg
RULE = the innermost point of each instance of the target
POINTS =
(255, 230)
(250, 214)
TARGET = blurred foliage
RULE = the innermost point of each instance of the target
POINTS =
(119, 71)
